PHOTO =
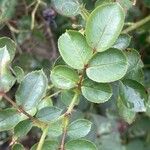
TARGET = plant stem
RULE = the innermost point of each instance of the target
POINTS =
(42, 139)
(70, 108)
(72, 104)
(21, 110)
(65, 118)
(66, 122)
(137, 25)
(134, 2)
(54, 94)
(33, 14)
(84, 13)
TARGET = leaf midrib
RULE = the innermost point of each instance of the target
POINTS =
(101, 65)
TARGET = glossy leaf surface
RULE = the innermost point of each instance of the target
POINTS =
(48, 114)
(64, 77)
(74, 49)
(68, 8)
(107, 66)
(10, 46)
(133, 95)
(122, 42)
(31, 90)
(79, 128)
(103, 27)
(96, 92)
(80, 144)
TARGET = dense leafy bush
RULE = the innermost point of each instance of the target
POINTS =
(61, 104)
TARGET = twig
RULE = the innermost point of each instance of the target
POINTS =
(14, 38)
(13, 29)
(21, 110)
(134, 2)
(55, 94)
(70, 108)
(137, 25)
(66, 122)
(42, 139)
(52, 41)
(33, 14)
(66, 116)
(84, 13)
(81, 77)
(52, 95)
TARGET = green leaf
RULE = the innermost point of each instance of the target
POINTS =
(126, 4)
(101, 2)
(135, 66)
(48, 114)
(134, 59)
(6, 78)
(79, 128)
(18, 146)
(46, 102)
(125, 113)
(96, 92)
(80, 145)
(19, 73)
(68, 8)
(22, 128)
(59, 61)
(48, 145)
(10, 45)
(74, 49)
(146, 3)
(31, 90)
(136, 74)
(122, 42)
(148, 106)
(64, 77)
(67, 96)
(111, 141)
(7, 8)
(133, 95)
(137, 144)
(103, 125)
(55, 129)
(103, 27)
(9, 118)
(107, 66)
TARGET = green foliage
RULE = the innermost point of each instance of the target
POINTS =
(73, 42)
(47, 145)
(133, 95)
(48, 114)
(64, 77)
(19, 73)
(122, 42)
(101, 34)
(80, 144)
(67, 8)
(126, 113)
(6, 78)
(18, 147)
(10, 46)
(31, 90)
(101, 2)
(22, 128)
(96, 65)
(7, 9)
(107, 66)
(9, 118)
(79, 128)
(96, 92)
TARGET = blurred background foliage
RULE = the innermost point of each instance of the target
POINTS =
(37, 48)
